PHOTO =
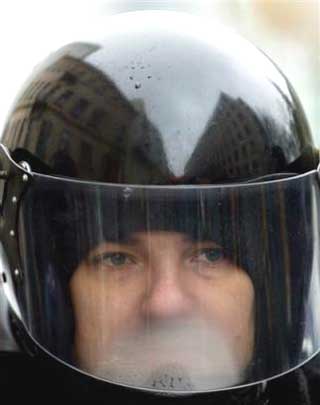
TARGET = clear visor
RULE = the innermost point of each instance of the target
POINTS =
(177, 289)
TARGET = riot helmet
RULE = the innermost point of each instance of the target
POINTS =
(159, 209)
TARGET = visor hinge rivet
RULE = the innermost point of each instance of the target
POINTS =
(17, 272)
(12, 233)
(4, 174)
(14, 199)
(25, 177)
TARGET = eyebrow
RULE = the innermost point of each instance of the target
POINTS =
(135, 239)
(132, 240)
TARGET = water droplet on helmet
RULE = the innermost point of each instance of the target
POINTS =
(137, 85)
(127, 192)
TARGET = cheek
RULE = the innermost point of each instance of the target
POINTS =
(237, 304)
(102, 312)
(101, 307)
(230, 305)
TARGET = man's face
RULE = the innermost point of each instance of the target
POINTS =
(163, 311)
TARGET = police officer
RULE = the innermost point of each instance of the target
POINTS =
(159, 221)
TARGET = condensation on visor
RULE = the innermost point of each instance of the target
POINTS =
(232, 299)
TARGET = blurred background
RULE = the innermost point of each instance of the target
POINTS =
(287, 30)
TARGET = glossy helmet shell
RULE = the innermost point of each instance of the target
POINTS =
(156, 102)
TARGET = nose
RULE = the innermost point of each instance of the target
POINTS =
(167, 294)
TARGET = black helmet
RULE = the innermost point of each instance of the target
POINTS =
(159, 216)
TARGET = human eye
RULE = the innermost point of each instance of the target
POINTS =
(208, 256)
(209, 262)
(113, 260)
